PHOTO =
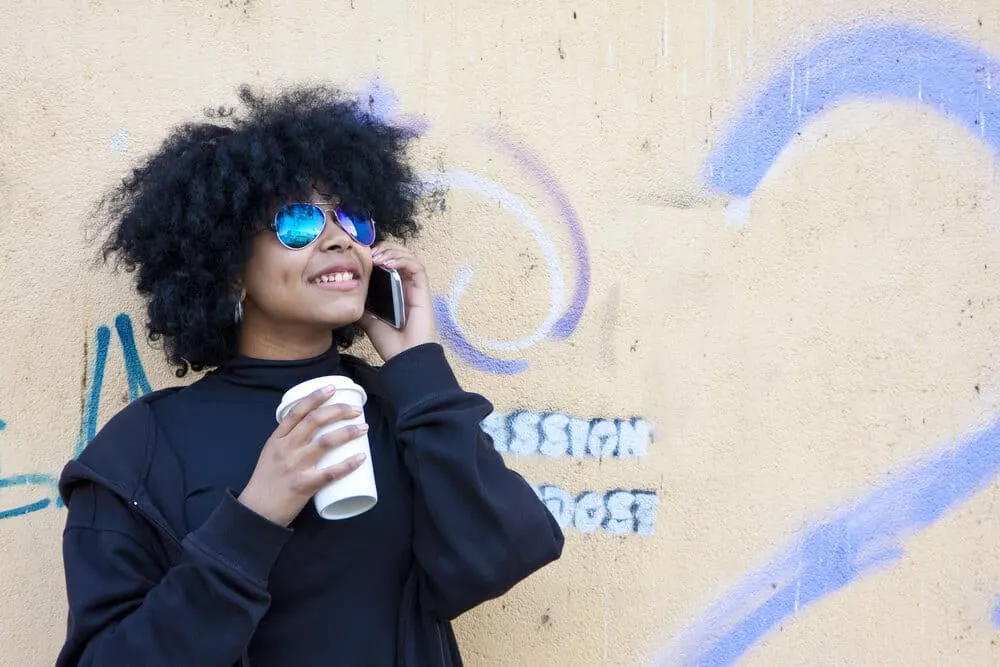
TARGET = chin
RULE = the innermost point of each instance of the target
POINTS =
(343, 317)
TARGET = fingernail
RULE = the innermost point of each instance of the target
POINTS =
(330, 389)
(362, 428)
(359, 458)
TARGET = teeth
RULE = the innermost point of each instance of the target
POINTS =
(335, 277)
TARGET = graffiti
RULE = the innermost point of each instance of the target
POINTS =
(619, 512)
(524, 433)
(996, 615)
(883, 62)
(564, 313)
(554, 434)
(22, 483)
(894, 62)
(135, 375)
(833, 553)
(18, 481)
(560, 321)
(29, 481)
(45, 485)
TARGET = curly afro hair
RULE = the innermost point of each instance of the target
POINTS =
(184, 218)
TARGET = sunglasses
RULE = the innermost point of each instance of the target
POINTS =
(299, 225)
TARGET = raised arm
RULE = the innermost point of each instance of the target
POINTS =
(479, 527)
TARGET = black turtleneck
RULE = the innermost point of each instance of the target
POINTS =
(349, 573)
(164, 566)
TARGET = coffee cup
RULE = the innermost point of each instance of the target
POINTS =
(355, 493)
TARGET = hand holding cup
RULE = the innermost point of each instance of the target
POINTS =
(287, 474)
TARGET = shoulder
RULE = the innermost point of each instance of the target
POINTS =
(360, 370)
(121, 449)
(130, 423)
(366, 375)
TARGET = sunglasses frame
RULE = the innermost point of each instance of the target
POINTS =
(334, 211)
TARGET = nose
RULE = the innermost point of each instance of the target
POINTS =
(333, 236)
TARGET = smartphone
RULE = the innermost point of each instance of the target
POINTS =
(385, 296)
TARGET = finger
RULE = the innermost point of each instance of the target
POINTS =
(329, 441)
(303, 408)
(381, 249)
(322, 416)
(316, 479)
(392, 253)
(409, 267)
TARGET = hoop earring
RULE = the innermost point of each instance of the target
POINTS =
(238, 311)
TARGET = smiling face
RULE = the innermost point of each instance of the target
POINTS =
(308, 292)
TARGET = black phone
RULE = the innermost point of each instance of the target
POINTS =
(385, 296)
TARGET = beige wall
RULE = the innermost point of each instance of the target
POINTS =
(772, 432)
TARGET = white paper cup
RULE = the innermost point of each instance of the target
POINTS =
(354, 493)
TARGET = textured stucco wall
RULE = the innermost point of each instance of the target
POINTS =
(733, 290)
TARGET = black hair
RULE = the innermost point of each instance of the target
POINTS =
(183, 220)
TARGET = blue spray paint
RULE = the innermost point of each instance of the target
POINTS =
(135, 375)
(380, 102)
(452, 336)
(95, 383)
(833, 553)
(894, 62)
(561, 320)
(30, 481)
(138, 385)
(884, 62)
(996, 615)
(570, 319)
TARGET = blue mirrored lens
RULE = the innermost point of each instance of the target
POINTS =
(360, 228)
(298, 225)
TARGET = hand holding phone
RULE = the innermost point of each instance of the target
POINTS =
(399, 309)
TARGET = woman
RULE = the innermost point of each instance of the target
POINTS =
(190, 537)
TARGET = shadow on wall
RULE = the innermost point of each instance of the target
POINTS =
(881, 62)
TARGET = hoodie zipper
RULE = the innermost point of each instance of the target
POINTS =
(163, 529)
(245, 658)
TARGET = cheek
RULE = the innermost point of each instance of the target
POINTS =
(274, 277)
(366, 260)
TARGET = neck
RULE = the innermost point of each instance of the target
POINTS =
(283, 342)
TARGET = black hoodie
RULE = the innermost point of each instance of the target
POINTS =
(165, 567)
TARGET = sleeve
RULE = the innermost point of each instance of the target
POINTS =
(479, 528)
(124, 609)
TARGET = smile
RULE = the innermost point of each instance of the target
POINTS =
(338, 277)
